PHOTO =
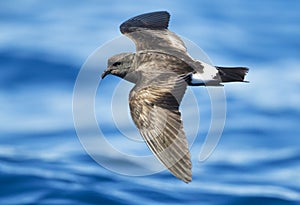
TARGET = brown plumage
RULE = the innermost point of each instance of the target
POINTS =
(161, 70)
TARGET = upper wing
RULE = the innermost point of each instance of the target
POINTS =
(150, 32)
(154, 107)
(154, 20)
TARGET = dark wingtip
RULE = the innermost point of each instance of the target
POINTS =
(154, 20)
(187, 180)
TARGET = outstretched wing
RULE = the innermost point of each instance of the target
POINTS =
(150, 32)
(154, 107)
(158, 20)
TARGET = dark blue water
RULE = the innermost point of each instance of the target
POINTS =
(44, 44)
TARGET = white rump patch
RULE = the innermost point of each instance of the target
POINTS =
(209, 75)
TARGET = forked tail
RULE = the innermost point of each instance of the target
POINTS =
(232, 74)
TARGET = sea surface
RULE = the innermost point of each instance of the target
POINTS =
(44, 45)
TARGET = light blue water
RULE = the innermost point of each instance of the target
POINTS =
(44, 44)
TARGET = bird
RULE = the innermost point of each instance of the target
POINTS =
(161, 69)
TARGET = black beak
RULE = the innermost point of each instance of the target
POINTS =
(105, 73)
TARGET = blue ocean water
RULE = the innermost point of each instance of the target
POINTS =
(42, 48)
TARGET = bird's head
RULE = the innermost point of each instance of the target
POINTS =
(119, 65)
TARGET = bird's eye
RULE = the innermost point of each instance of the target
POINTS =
(117, 63)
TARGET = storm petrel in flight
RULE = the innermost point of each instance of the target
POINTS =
(161, 70)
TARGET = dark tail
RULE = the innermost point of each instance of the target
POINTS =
(232, 74)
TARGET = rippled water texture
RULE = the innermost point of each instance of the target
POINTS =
(44, 44)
